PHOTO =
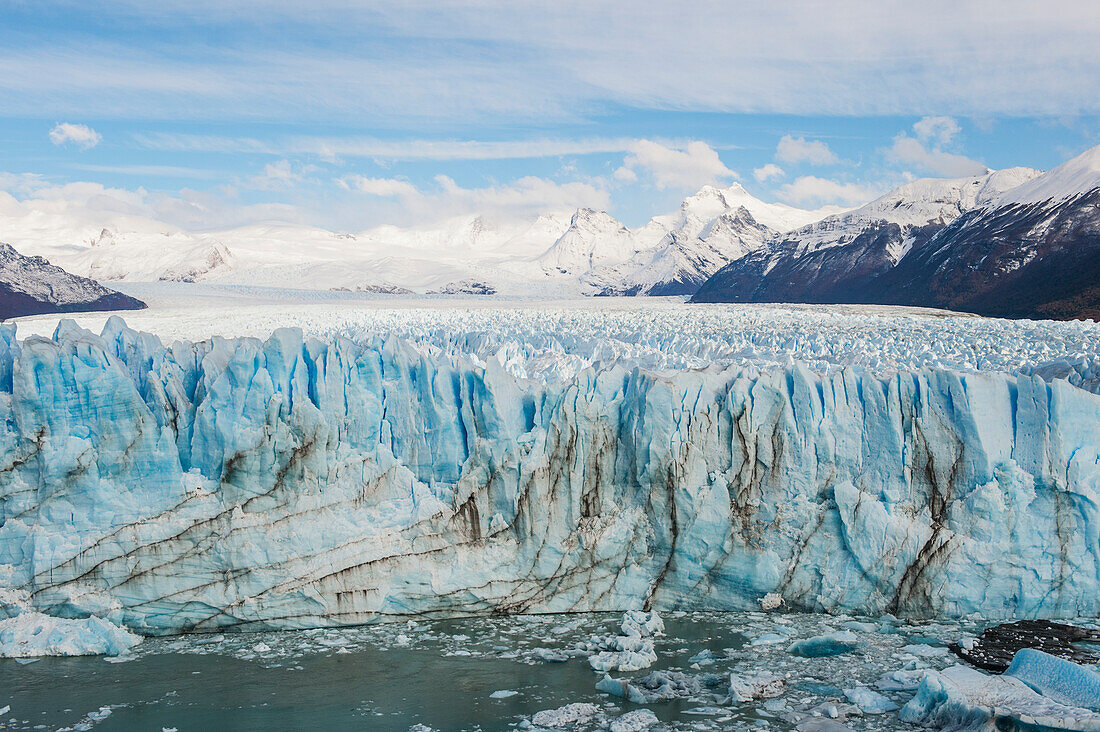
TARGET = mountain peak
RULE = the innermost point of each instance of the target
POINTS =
(1070, 179)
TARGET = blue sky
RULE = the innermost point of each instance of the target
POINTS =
(210, 114)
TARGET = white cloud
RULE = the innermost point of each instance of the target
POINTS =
(797, 150)
(810, 191)
(82, 136)
(625, 175)
(70, 209)
(384, 187)
(767, 172)
(693, 166)
(155, 171)
(489, 59)
(280, 175)
(925, 150)
(330, 148)
(523, 197)
(938, 130)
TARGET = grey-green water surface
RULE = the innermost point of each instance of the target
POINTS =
(441, 675)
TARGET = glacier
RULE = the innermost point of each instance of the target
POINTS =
(292, 481)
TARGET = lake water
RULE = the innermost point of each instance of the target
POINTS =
(441, 675)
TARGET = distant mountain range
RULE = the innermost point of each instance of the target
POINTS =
(1015, 242)
(584, 253)
(33, 286)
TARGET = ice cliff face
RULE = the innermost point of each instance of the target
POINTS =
(292, 483)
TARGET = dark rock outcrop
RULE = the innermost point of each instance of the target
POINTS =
(33, 286)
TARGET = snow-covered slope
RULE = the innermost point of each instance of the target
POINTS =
(675, 253)
(909, 207)
(291, 482)
(838, 258)
(683, 259)
(711, 202)
(1033, 252)
(593, 239)
(31, 285)
(583, 252)
(1072, 178)
(1014, 243)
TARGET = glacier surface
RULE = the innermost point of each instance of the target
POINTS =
(298, 482)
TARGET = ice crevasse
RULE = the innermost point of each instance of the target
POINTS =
(292, 482)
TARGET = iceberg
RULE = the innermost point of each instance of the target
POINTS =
(1056, 678)
(829, 644)
(299, 482)
(635, 721)
(869, 701)
(567, 716)
(34, 634)
(964, 698)
(761, 685)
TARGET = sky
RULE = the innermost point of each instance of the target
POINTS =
(348, 115)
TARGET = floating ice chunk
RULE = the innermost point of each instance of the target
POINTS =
(763, 685)
(636, 721)
(768, 639)
(633, 650)
(771, 601)
(1056, 678)
(632, 654)
(822, 725)
(639, 624)
(963, 698)
(704, 657)
(705, 711)
(503, 694)
(550, 655)
(35, 634)
(830, 644)
(902, 680)
(923, 650)
(621, 689)
(576, 713)
(871, 702)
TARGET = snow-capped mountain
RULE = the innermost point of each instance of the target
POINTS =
(675, 253)
(684, 259)
(837, 258)
(1014, 243)
(594, 239)
(585, 252)
(32, 286)
(1034, 252)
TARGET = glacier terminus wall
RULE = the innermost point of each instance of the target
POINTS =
(296, 482)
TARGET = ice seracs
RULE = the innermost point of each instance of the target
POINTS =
(304, 481)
